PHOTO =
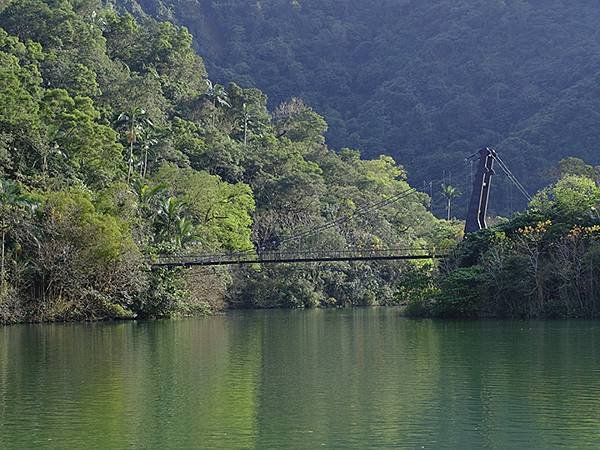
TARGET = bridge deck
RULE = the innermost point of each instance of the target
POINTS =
(293, 257)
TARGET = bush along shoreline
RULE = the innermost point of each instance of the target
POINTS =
(542, 263)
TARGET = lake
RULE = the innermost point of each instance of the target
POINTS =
(306, 379)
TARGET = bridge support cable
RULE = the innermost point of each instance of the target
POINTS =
(358, 212)
(252, 256)
(362, 210)
(513, 179)
(482, 182)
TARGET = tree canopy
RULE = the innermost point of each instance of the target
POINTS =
(115, 148)
(427, 82)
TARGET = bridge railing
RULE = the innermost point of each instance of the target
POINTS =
(290, 256)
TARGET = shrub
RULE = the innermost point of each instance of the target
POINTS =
(460, 295)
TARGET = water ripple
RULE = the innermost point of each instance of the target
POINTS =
(301, 379)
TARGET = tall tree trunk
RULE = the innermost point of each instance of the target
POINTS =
(449, 208)
(213, 112)
(142, 158)
(145, 162)
(431, 196)
(45, 164)
(2, 257)
(129, 172)
(131, 141)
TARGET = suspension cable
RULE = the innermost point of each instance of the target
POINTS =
(513, 178)
(360, 211)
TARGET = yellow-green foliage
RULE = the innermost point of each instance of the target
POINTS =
(221, 210)
(101, 238)
(571, 195)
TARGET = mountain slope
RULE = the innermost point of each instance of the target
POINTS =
(426, 82)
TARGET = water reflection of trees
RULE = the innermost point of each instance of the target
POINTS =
(301, 378)
(151, 385)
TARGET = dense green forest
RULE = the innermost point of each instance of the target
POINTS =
(543, 262)
(426, 82)
(115, 147)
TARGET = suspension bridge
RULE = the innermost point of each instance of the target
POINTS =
(280, 257)
(475, 221)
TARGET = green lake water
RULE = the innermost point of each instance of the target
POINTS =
(305, 379)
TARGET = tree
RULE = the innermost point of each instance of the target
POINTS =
(147, 194)
(14, 207)
(218, 96)
(247, 119)
(248, 113)
(173, 225)
(574, 166)
(220, 211)
(76, 138)
(450, 193)
(572, 198)
(136, 124)
(298, 122)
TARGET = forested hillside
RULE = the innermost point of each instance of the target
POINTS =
(424, 81)
(115, 147)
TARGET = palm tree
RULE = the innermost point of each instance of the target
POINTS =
(147, 139)
(450, 193)
(185, 231)
(248, 118)
(135, 123)
(147, 194)
(169, 211)
(174, 225)
(217, 95)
